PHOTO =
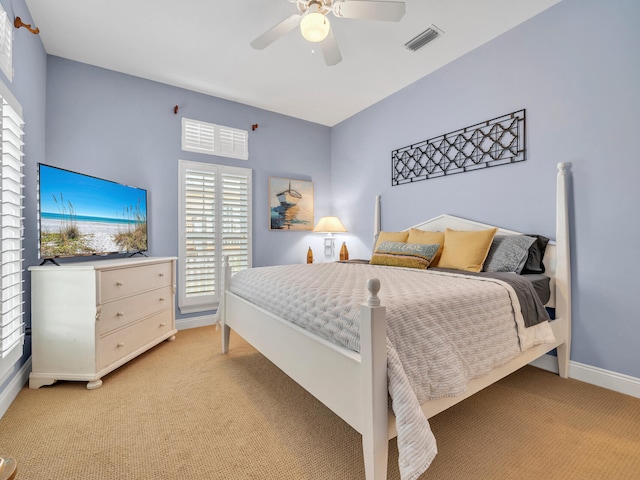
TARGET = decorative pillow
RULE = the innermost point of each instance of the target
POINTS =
(390, 237)
(508, 253)
(466, 250)
(536, 254)
(400, 254)
(422, 236)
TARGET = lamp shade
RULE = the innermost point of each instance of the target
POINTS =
(314, 26)
(329, 225)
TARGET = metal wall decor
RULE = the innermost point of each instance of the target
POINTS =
(494, 142)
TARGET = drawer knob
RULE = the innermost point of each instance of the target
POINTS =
(120, 314)
(162, 325)
(120, 344)
(119, 284)
(161, 274)
(162, 299)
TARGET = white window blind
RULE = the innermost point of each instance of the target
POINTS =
(233, 142)
(203, 137)
(198, 136)
(11, 267)
(215, 221)
(6, 44)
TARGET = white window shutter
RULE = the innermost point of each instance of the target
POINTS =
(236, 220)
(215, 220)
(6, 44)
(198, 136)
(11, 225)
(200, 234)
(211, 139)
(233, 142)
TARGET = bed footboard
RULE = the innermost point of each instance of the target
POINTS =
(353, 385)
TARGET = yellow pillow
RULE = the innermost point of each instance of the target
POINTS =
(466, 250)
(426, 238)
(390, 237)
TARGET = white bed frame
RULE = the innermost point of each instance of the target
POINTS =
(354, 385)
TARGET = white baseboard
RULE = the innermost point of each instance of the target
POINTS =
(195, 322)
(8, 395)
(617, 382)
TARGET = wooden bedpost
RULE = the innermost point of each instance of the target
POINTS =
(226, 281)
(373, 354)
(563, 265)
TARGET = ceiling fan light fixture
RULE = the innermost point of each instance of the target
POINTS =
(314, 26)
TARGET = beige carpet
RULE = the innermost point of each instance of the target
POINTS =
(184, 411)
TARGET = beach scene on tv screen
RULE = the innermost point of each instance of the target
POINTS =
(84, 215)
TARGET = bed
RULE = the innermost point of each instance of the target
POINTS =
(357, 384)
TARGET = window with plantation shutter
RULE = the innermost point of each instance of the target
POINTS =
(11, 282)
(233, 142)
(6, 44)
(215, 221)
(203, 137)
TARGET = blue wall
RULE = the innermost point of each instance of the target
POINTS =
(123, 128)
(576, 70)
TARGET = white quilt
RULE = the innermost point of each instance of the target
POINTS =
(443, 330)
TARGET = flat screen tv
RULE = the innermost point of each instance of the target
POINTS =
(81, 215)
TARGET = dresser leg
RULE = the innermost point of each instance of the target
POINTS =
(94, 384)
(37, 382)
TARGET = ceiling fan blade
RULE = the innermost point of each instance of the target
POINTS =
(370, 10)
(330, 50)
(273, 34)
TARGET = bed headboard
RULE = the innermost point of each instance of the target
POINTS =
(441, 222)
(556, 258)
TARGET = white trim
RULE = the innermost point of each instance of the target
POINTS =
(195, 322)
(618, 382)
(11, 391)
(187, 309)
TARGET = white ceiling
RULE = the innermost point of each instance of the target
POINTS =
(203, 45)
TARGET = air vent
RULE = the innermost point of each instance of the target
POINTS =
(423, 38)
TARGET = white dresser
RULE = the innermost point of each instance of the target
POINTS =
(89, 318)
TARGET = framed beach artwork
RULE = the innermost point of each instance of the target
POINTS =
(290, 204)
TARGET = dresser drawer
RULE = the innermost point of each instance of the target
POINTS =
(120, 282)
(119, 313)
(121, 343)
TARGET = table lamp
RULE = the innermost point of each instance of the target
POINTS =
(329, 225)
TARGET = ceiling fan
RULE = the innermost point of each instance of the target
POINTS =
(315, 27)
